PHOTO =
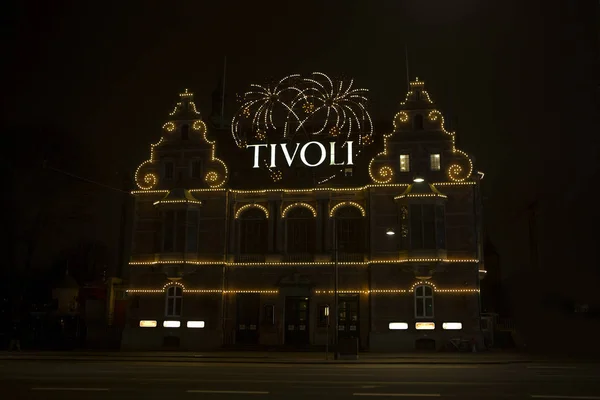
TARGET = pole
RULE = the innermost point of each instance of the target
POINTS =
(407, 72)
(327, 342)
(335, 291)
(223, 95)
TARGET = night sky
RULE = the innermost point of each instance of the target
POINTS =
(518, 81)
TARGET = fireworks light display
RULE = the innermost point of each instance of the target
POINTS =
(300, 108)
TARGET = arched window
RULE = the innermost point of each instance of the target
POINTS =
(174, 301)
(423, 301)
(418, 122)
(185, 132)
(300, 231)
(350, 230)
(253, 228)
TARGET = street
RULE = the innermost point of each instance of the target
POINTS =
(149, 379)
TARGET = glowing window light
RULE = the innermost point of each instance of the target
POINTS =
(452, 325)
(435, 162)
(195, 324)
(404, 162)
(171, 324)
(398, 326)
(425, 326)
(147, 324)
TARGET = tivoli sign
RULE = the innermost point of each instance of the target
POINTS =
(290, 154)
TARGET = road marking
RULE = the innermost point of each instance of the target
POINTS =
(227, 391)
(543, 396)
(398, 394)
(551, 367)
(75, 389)
(305, 374)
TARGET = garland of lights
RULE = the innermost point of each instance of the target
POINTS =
(317, 292)
(308, 107)
(146, 175)
(385, 173)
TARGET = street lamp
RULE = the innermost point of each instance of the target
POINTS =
(328, 325)
(418, 179)
(390, 232)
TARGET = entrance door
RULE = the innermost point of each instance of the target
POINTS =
(348, 317)
(247, 318)
(296, 321)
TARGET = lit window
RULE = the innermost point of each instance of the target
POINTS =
(434, 162)
(174, 300)
(348, 172)
(425, 326)
(452, 325)
(398, 326)
(195, 324)
(147, 324)
(404, 163)
(171, 324)
(423, 301)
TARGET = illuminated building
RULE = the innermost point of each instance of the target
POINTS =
(227, 254)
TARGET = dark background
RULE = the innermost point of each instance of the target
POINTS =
(87, 86)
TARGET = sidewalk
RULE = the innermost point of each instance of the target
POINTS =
(271, 357)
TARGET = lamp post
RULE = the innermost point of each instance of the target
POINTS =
(335, 290)
(328, 325)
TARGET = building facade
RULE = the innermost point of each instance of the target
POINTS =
(233, 249)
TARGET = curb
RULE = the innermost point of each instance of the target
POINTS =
(250, 360)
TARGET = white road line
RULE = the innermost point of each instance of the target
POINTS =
(227, 391)
(74, 389)
(544, 396)
(398, 394)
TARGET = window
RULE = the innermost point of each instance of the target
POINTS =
(404, 163)
(185, 132)
(180, 231)
(423, 301)
(174, 300)
(192, 231)
(434, 162)
(440, 227)
(300, 231)
(348, 172)
(253, 227)
(168, 170)
(196, 169)
(350, 224)
(426, 227)
(181, 227)
(168, 232)
(418, 122)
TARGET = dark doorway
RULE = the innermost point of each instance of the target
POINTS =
(296, 321)
(348, 320)
(248, 313)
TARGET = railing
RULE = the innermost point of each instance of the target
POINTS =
(250, 258)
(351, 257)
(298, 257)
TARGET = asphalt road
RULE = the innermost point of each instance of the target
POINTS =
(68, 380)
